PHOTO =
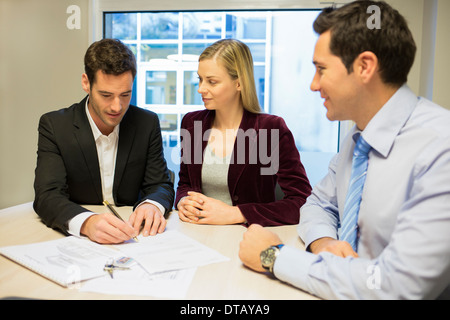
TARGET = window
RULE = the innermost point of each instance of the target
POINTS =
(167, 46)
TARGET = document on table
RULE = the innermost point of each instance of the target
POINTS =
(138, 282)
(165, 266)
(66, 261)
(169, 251)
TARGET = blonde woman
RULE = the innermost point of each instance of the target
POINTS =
(233, 155)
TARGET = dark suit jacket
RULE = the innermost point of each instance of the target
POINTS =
(250, 190)
(68, 174)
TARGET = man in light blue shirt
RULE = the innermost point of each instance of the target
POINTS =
(404, 218)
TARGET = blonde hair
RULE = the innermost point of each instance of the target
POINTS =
(237, 60)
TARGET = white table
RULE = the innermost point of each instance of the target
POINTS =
(220, 281)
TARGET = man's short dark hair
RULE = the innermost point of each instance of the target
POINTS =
(392, 43)
(110, 56)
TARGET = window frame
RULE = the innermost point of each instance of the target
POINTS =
(179, 67)
(97, 8)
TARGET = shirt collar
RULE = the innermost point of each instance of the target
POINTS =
(385, 126)
(95, 131)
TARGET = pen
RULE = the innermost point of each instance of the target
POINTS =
(114, 212)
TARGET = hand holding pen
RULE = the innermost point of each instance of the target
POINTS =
(106, 228)
(114, 212)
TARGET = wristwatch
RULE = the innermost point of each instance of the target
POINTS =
(268, 257)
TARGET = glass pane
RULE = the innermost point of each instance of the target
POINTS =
(191, 95)
(245, 26)
(194, 48)
(260, 76)
(157, 51)
(258, 51)
(202, 25)
(160, 87)
(121, 26)
(162, 25)
(292, 42)
(168, 122)
(291, 75)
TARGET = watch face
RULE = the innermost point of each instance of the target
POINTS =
(267, 257)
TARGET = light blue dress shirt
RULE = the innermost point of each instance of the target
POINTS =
(404, 219)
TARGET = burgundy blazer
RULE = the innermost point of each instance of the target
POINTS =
(264, 154)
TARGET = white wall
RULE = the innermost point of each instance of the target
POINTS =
(41, 62)
(441, 92)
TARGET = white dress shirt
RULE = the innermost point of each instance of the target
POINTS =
(107, 154)
(404, 218)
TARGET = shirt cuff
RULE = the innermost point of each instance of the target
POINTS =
(292, 266)
(320, 232)
(159, 206)
(76, 223)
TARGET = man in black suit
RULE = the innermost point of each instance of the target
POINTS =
(103, 148)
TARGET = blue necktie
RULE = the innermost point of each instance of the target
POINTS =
(349, 227)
